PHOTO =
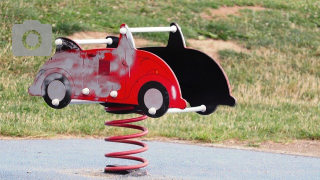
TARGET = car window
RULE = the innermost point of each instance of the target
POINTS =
(67, 44)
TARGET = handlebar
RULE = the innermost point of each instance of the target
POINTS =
(123, 31)
(154, 29)
(94, 41)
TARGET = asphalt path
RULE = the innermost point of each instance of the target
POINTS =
(84, 159)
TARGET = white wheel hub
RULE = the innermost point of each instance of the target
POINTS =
(152, 111)
(56, 90)
(153, 99)
(55, 102)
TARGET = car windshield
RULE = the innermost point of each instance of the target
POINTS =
(67, 44)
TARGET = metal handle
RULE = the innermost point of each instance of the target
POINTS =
(94, 41)
(201, 108)
(154, 29)
(150, 29)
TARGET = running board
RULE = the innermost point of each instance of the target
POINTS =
(77, 101)
(201, 108)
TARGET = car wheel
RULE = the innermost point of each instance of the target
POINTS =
(56, 91)
(153, 99)
(210, 108)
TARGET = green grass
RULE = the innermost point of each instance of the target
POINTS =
(277, 83)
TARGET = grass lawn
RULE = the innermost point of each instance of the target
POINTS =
(276, 83)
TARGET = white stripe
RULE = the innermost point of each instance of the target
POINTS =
(201, 108)
(77, 101)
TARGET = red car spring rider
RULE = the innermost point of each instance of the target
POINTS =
(150, 81)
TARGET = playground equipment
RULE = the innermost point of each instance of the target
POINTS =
(150, 81)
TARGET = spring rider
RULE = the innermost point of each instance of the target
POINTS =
(150, 81)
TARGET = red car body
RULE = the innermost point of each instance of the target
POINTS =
(123, 69)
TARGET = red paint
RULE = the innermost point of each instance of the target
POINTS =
(123, 69)
(104, 67)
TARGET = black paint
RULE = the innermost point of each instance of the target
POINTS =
(201, 79)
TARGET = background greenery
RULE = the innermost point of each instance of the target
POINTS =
(277, 83)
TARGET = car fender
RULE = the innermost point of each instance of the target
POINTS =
(176, 100)
(37, 89)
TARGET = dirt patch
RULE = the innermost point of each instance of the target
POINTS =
(47, 137)
(225, 11)
(212, 47)
(93, 173)
(296, 147)
(208, 46)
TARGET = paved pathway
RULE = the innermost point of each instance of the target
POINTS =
(84, 159)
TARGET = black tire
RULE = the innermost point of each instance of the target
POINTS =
(210, 108)
(157, 97)
(52, 86)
